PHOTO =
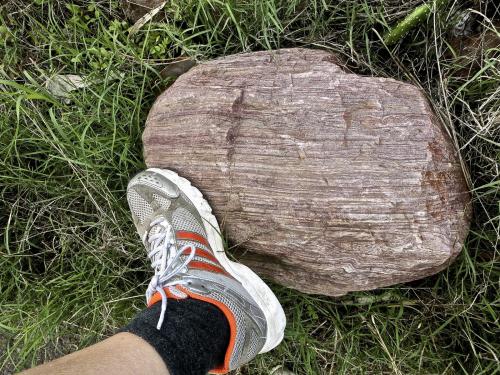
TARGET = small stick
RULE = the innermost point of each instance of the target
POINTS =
(410, 21)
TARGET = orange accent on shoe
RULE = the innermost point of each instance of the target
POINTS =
(207, 267)
(183, 235)
(202, 253)
(232, 328)
(157, 296)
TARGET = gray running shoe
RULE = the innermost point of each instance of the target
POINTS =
(185, 247)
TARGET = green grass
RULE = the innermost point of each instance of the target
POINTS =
(72, 269)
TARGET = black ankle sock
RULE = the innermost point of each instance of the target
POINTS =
(193, 338)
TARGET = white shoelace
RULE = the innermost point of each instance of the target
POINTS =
(164, 256)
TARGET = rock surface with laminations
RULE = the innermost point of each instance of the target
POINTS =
(323, 181)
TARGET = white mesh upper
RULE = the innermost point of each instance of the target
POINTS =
(139, 206)
(182, 219)
(163, 202)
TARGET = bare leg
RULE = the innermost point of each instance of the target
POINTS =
(122, 354)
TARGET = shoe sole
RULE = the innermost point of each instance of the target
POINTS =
(255, 286)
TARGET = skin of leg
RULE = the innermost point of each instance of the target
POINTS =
(121, 354)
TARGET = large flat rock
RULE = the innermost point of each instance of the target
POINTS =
(327, 182)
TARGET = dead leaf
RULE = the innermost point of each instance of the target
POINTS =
(177, 67)
(62, 84)
(145, 19)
